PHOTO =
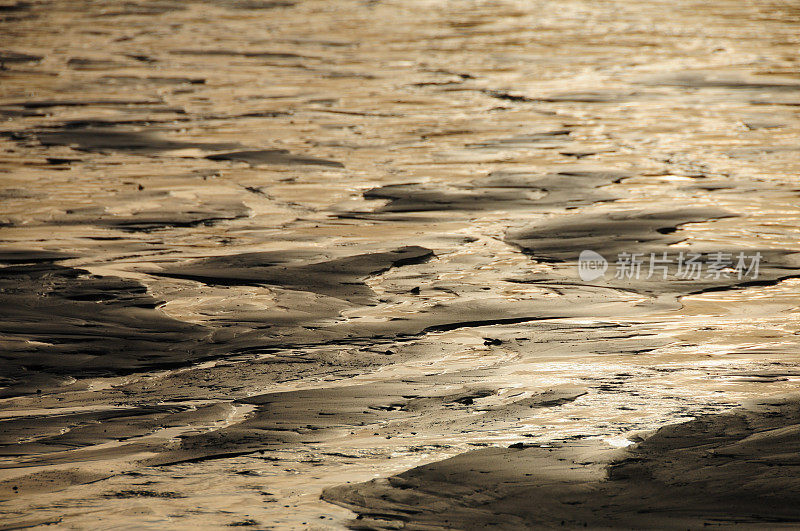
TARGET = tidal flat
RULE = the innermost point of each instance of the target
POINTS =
(309, 264)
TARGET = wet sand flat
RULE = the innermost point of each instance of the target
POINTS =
(312, 264)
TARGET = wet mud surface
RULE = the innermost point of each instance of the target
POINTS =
(278, 264)
(720, 470)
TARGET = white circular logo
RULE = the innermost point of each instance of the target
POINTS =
(591, 265)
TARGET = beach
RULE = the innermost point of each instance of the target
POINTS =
(317, 265)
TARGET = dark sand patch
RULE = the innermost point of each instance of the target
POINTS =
(31, 256)
(203, 214)
(144, 210)
(237, 53)
(501, 190)
(131, 8)
(58, 433)
(59, 321)
(709, 81)
(256, 4)
(341, 278)
(45, 440)
(154, 80)
(142, 493)
(735, 468)
(16, 6)
(86, 63)
(63, 321)
(47, 481)
(45, 104)
(274, 156)
(103, 141)
(531, 139)
(608, 96)
(562, 238)
(17, 57)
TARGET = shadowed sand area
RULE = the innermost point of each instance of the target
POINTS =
(717, 470)
(314, 265)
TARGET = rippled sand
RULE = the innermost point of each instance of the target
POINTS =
(254, 251)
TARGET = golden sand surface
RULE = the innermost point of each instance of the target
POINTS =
(256, 250)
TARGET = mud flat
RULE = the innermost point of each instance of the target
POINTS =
(734, 468)
(253, 253)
